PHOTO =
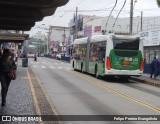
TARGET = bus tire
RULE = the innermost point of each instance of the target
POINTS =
(96, 72)
(82, 68)
(73, 65)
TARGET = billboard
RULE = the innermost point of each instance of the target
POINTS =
(150, 37)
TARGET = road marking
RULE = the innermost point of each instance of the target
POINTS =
(43, 66)
(117, 92)
(28, 78)
(49, 101)
(33, 94)
(52, 67)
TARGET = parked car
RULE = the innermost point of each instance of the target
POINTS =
(59, 55)
(30, 55)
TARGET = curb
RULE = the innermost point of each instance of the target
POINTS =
(145, 81)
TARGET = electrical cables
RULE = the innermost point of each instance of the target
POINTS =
(118, 14)
(111, 13)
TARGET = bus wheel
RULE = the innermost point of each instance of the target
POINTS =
(82, 68)
(96, 72)
(73, 65)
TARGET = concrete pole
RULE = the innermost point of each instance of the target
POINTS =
(141, 20)
(87, 54)
(131, 17)
(76, 26)
(64, 39)
(48, 40)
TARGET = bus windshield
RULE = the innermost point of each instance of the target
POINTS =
(126, 44)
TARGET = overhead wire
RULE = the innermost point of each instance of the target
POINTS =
(118, 14)
(80, 2)
(64, 13)
(111, 13)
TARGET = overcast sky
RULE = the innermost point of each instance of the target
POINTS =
(63, 14)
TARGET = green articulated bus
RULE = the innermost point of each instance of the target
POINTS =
(109, 55)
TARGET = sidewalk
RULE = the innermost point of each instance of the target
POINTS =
(147, 80)
(19, 99)
(26, 97)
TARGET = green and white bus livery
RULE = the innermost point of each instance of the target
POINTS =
(112, 55)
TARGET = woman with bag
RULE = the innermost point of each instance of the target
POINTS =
(7, 64)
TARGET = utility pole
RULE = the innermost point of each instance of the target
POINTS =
(48, 42)
(131, 17)
(64, 39)
(141, 20)
(76, 24)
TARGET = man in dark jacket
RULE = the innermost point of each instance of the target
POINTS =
(154, 67)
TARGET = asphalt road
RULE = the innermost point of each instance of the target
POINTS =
(74, 93)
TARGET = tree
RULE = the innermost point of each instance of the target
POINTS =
(158, 2)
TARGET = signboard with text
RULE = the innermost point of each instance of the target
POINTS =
(150, 37)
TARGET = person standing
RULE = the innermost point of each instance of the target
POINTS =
(0, 53)
(158, 69)
(6, 64)
(35, 57)
(16, 57)
(154, 67)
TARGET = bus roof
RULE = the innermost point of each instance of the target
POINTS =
(80, 41)
(126, 36)
(98, 38)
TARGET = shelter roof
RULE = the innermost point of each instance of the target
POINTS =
(22, 14)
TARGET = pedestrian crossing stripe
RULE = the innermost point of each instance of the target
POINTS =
(52, 67)
(49, 63)
(43, 66)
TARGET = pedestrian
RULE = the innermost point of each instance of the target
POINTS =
(35, 57)
(0, 53)
(6, 65)
(13, 56)
(154, 67)
(16, 57)
(158, 69)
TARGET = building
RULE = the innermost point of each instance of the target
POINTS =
(147, 27)
(151, 41)
(58, 38)
(92, 25)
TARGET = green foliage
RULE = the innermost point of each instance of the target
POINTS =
(158, 3)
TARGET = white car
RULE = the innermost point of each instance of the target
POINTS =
(59, 55)
(30, 55)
